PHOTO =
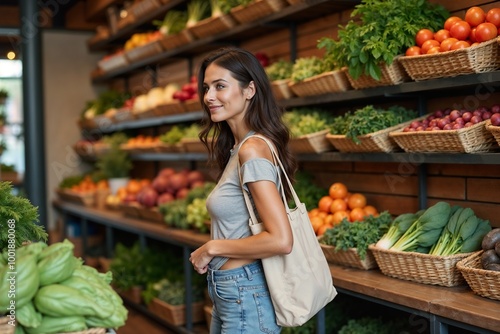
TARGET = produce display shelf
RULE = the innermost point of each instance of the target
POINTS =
(153, 121)
(484, 82)
(457, 306)
(492, 158)
(442, 306)
(116, 219)
(299, 12)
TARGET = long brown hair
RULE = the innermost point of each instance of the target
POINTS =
(264, 115)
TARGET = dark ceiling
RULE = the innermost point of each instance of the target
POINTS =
(9, 42)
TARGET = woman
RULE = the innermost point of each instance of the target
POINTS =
(237, 97)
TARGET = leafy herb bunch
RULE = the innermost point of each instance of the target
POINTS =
(23, 213)
(368, 120)
(379, 31)
(358, 234)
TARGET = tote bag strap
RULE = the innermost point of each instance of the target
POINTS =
(289, 183)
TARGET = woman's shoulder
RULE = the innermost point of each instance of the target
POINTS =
(254, 148)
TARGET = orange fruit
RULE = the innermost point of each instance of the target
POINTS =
(329, 219)
(313, 212)
(338, 204)
(356, 200)
(370, 210)
(357, 214)
(133, 186)
(316, 223)
(338, 216)
(323, 228)
(337, 190)
(324, 204)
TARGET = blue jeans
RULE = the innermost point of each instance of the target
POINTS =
(242, 304)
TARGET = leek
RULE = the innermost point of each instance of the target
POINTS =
(197, 10)
(173, 23)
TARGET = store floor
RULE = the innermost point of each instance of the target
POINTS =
(138, 323)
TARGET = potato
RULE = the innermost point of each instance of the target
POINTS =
(490, 239)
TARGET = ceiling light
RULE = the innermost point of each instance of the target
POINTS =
(11, 55)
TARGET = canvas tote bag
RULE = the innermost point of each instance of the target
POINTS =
(300, 283)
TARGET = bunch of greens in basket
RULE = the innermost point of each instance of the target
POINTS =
(173, 22)
(279, 70)
(19, 214)
(379, 31)
(303, 121)
(174, 135)
(307, 67)
(358, 234)
(368, 120)
(306, 190)
(126, 271)
(173, 290)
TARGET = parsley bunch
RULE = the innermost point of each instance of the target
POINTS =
(358, 234)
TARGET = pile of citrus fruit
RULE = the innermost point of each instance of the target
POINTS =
(337, 205)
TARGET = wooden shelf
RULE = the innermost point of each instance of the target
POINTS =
(454, 303)
(449, 305)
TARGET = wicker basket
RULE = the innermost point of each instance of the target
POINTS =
(85, 199)
(113, 62)
(418, 267)
(123, 115)
(475, 138)
(169, 148)
(349, 258)
(257, 10)
(392, 74)
(144, 7)
(130, 210)
(151, 214)
(311, 143)
(176, 314)
(328, 82)
(172, 108)
(134, 294)
(378, 141)
(208, 314)
(192, 105)
(144, 51)
(171, 42)
(212, 26)
(495, 131)
(483, 57)
(281, 89)
(5, 328)
(485, 283)
(193, 145)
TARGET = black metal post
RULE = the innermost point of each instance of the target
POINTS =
(34, 179)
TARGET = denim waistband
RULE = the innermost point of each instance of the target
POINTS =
(247, 271)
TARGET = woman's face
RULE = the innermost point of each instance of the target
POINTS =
(224, 97)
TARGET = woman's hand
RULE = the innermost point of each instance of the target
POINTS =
(200, 259)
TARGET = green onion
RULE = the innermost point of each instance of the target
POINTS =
(197, 10)
(173, 22)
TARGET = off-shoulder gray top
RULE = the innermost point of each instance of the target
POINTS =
(226, 204)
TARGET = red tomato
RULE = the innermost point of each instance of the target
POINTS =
(447, 43)
(441, 35)
(485, 32)
(472, 35)
(460, 30)
(475, 16)
(428, 45)
(423, 35)
(493, 16)
(413, 51)
(434, 49)
(460, 45)
(451, 21)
